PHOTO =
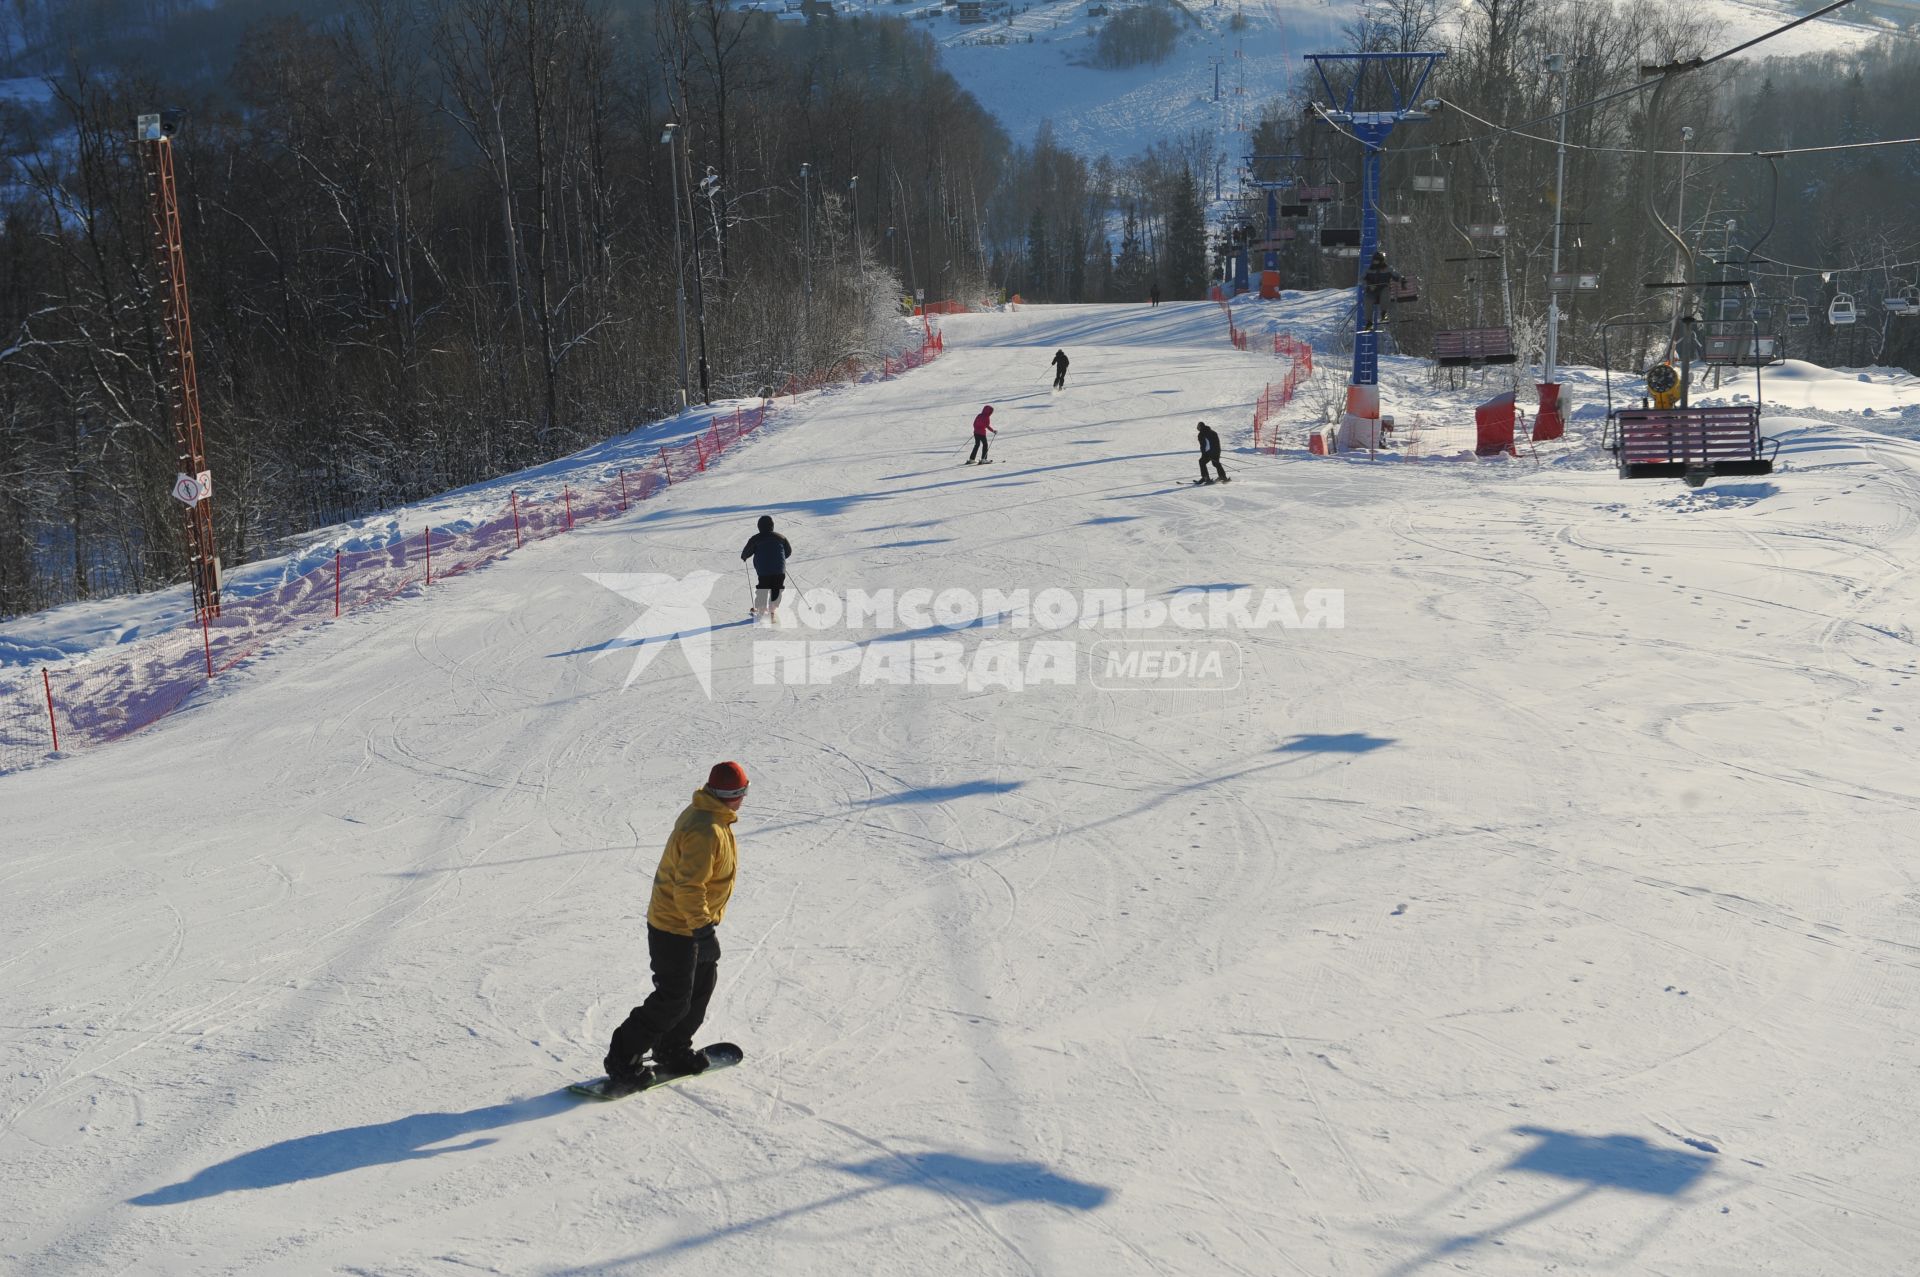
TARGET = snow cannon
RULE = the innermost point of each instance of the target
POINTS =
(1663, 385)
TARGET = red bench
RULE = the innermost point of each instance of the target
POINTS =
(1692, 443)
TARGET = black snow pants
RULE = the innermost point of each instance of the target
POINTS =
(979, 448)
(1212, 458)
(684, 971)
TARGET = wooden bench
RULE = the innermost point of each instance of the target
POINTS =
(1461, 347)
(1691, 443)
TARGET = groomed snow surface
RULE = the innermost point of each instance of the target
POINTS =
(1556, 912)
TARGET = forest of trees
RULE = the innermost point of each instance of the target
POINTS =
(1141, 35)
(432, 241)
(1854, 215)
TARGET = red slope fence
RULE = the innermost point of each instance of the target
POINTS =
(1235, 334)
(83, 706)
(1277, 395)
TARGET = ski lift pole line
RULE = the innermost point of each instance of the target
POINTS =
(1665, 73)
(1764, 153)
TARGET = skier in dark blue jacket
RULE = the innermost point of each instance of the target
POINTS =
(769, 552)
(1210, 454)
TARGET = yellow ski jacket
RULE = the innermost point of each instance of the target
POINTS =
(695, 878)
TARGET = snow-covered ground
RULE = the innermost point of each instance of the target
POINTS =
(90, 630)
(1555, 912)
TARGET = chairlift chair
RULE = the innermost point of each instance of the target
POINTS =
(1762, 309)
(1729, 305)
(1905, 303)
(1841, 310)
(1798, 316)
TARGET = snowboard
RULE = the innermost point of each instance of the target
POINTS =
(720, 1055)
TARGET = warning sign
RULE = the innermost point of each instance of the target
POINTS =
(189, 491)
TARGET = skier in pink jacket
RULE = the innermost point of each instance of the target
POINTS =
(982, 427)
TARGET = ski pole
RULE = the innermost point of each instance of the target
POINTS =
(799, 593)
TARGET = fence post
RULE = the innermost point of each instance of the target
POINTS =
(666, 465)
(336, 585)
(566, 494)
(513, 499)
(47, 683)
(428, 535)
(623, 487)
(206, 643)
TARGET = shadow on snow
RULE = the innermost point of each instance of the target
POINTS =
(969, 1182)
(355, 1148)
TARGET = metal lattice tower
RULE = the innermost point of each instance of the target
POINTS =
(194, 481)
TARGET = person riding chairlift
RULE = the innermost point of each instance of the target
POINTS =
(1379, 280)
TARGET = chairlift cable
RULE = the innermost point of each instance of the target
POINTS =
(1664, 75)
(1764, 153)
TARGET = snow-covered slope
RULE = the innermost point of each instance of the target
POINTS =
(1556, 912)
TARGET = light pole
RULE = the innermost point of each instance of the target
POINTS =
(1726, 251)
(806, 219)
(1557, 62)
(710, 187)
(699, 284)
(1685, 263)
(859, 261)
(679, 259)
(1680, 213)
(1548, 423)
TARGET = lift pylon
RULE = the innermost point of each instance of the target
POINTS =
(193, 485)
(1369, 114)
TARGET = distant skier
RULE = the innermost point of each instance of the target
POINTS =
(1379, 278)
(1210, 452)
(690, 893)
(769, 552)
(1059, 369)
(1153, 294)
(982, 427)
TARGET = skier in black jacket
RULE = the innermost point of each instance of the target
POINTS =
(1210, 452)
(1378, 279)
(769, 552)
(1059, 369)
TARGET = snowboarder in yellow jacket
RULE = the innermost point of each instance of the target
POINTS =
(690, 893)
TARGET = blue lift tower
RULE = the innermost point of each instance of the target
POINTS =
(1270, 245)
(1381, 90)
